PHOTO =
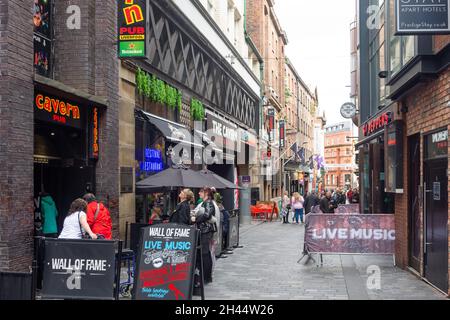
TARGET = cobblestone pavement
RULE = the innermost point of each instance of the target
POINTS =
(266, 268)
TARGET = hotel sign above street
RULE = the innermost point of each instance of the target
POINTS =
(422, 17)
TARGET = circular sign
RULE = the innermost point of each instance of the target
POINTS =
(348, 110)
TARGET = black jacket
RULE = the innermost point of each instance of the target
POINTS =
(325, 205)
(202, 220)
(182, 214)
(310, 202)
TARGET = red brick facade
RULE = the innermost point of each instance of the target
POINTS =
(428, 110)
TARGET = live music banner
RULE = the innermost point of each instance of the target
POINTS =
(166, 263)
(350, 234)
(79, 269)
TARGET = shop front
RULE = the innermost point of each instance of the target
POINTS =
(380, 163)
(66, 149)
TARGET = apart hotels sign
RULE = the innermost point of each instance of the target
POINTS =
(422, 17)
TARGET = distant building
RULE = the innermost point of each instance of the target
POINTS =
(339, 156)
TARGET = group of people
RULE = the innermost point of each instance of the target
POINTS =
(205, 215)
(299, 205)
(87, 218)
(328, 202)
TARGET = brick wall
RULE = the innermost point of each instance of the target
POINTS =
(16, 132)
(428, 111)
(440, 42)
(86, 60)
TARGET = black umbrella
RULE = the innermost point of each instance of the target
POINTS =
(214, 180)
(176, 178)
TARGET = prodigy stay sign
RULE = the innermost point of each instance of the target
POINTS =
(79, 269)
(166, 263)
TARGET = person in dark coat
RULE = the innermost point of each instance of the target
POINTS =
(326, 205)
(311, 201)
(206, 230)
(182, 214)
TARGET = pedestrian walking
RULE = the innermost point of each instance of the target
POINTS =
(75, 224)
(98, 217)
(297, 206)
(182, 213)
(326, 205)
(285, 206)
(311, 201)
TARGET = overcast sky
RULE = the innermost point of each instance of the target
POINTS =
(319, 47)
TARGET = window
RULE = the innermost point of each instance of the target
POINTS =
(401, 48)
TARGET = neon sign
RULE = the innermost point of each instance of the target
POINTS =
(153, 161)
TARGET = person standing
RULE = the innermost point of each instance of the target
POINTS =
(49, 214)
(206, 231)
(326, 205)
(311, 201)
(76, 222)
(182, 213)
(297, 206)
(98, 217)
(286, 206)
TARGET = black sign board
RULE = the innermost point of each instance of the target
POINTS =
(422, 17)
(394, 157)
(79, 269)
(166, 263)
(437, 145)
(42, 55)
(58, 110)
(132, 17)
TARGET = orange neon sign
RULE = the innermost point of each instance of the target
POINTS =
(59, 110)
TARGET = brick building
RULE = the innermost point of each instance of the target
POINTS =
(52, 91)
(339, 156)
(404, 96)
(301, 106)
(270, 40)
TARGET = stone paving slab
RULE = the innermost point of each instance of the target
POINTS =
(267, 269)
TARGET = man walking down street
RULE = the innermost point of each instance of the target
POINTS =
(325, 204)
(311, 201)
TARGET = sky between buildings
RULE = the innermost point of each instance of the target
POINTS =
(319, 47)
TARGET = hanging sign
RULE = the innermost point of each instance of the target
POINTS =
(282, 134)
(271, 116)
(166, 263)
(94, 147)
(79, 269)
(415, 17)
(132, 28)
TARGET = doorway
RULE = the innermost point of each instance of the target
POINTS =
(414, 202)
(436, 209)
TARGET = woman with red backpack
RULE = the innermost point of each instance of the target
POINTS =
(98, 217)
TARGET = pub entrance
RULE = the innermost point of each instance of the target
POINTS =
(61, 169)
(436, 209)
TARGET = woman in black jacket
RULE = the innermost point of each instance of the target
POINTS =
(182, 213)
(206, 231)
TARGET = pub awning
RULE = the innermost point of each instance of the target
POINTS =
(172, 131)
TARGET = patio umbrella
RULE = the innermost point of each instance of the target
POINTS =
(176, 178)
(171, 178)
(214, 180)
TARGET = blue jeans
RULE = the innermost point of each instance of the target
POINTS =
(298, 212)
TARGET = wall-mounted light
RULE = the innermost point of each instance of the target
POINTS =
(383, 74)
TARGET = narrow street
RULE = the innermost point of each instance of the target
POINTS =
(266, 269)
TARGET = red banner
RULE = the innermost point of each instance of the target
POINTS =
(352, 234)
